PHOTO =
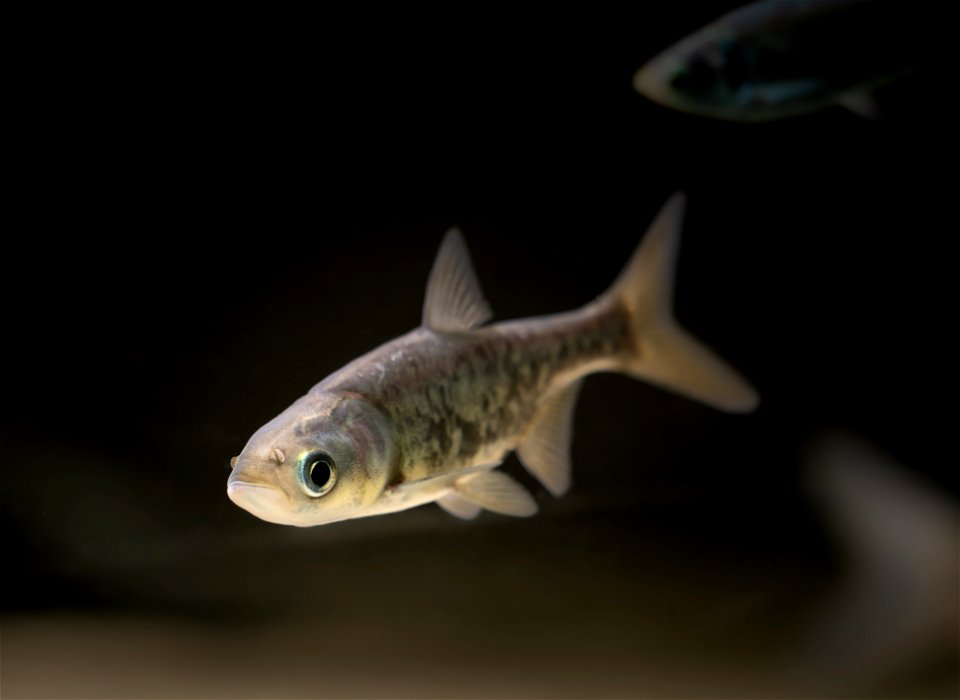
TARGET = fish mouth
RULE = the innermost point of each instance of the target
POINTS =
(266, 502)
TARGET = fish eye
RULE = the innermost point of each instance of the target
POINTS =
(318, 474)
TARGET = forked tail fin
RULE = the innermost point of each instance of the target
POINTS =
(666, 354)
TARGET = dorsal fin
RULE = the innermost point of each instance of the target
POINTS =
(454, 301)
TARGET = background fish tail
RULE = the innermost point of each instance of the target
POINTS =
(665, 354)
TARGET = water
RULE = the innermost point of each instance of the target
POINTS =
(212, 229)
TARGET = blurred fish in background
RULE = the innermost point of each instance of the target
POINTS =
(782, 58)
(894, 610)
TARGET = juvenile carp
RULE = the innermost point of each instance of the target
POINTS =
(429, 416)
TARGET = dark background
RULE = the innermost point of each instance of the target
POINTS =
(214, 213)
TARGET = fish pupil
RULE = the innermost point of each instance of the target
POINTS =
(320, 473)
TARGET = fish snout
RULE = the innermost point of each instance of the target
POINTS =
(646, 81)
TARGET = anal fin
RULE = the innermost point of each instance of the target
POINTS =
(545, 450)
(496, 492)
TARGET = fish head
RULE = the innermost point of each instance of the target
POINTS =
(328, 457)
(708, 73)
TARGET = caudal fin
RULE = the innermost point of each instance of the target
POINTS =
(666, 354)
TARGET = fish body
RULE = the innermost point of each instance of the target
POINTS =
(460, 399)
(777, 58)
(429, 416)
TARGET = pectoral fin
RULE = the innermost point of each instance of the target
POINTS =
(497, 492)
(545, 450)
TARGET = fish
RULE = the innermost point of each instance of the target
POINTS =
(429, 416)
(895, 604)
(774, 59)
